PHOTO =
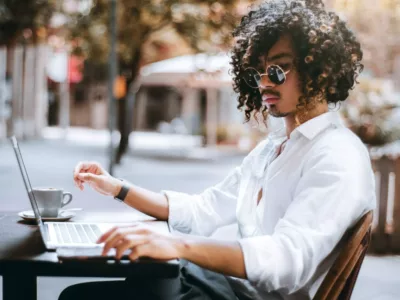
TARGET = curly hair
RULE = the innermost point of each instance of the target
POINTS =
(328, 54)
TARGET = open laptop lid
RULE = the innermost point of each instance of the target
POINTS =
(28, 185)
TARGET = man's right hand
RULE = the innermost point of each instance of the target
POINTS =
(94, 174)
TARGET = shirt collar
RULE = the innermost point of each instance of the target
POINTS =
(313, 127)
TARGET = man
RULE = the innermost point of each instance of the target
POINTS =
(293, 197)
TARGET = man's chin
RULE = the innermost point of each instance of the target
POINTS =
(274, 112)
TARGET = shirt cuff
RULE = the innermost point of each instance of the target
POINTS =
(179, 206)
(260, 261)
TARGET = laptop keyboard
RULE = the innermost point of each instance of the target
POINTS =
(68, 233)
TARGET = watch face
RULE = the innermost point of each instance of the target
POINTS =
(122, 193)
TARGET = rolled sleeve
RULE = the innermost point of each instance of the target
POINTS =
(202, 214)
(179, 210)
(262, 258)
(335, 190)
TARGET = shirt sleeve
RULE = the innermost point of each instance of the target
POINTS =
(335, 190)
(202, 214)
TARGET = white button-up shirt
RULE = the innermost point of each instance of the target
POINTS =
(317, 188)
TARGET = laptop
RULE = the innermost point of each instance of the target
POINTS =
(76, 236)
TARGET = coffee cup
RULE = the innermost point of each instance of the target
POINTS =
(51, 200)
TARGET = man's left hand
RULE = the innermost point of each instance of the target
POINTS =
(142, 241)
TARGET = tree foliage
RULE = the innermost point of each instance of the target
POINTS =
(377, 26)
(204, 24)
(23, 19)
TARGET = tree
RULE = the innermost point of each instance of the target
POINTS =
(27, 20)
(377, 25)
(205, 25)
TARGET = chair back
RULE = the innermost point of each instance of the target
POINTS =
(341, 277)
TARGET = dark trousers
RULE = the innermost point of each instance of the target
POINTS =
(193, 283)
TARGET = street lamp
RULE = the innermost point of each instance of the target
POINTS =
(112, 64)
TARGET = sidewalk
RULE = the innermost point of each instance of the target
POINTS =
(146, 144)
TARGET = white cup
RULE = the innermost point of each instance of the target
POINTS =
(51, 200)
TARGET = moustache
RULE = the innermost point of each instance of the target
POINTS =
(270, 92)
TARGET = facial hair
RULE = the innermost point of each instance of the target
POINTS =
(274, 112)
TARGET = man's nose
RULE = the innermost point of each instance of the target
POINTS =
(265, 82)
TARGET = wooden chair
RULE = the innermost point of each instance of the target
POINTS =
(342, 276)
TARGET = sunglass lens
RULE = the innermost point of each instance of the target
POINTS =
(276, 75)
(251, 77)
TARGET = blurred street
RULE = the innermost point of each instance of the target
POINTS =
(50, 164)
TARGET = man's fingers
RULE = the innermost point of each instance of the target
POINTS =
(131, 242)
(121, 248)
(88, 177)
(120, 235)
(113, 239)
(77, 170)
(106, 235)
(91, 179)
(86, 167)
(110, 244)
(82, 166)
(117, 237)
(140, 251)
(78, 184)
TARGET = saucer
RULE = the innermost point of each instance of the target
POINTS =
(63, 216)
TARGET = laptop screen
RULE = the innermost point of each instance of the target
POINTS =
(27, 182)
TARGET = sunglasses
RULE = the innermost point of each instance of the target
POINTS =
(275, 74)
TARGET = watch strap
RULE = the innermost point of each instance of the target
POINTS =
(122, 193)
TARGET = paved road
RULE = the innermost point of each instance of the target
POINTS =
(50, 163)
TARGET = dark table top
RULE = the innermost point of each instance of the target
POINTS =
(22, 251)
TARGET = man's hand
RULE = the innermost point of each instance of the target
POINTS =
(142, 241)
(93, 174)
(224, 257)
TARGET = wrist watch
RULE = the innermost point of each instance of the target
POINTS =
(122, 193)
